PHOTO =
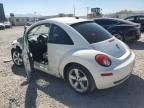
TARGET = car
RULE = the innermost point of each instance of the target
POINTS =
(137, 19)
(123, 30)
(2, 26)
(77, 50)
(7, 24)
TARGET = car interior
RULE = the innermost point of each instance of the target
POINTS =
(38, 46)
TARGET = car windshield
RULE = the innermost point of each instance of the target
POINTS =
(92, 32)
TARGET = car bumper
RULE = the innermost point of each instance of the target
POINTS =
(120, 74)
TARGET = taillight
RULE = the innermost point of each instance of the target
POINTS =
(103, 60)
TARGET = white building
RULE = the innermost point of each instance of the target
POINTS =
(20, 20)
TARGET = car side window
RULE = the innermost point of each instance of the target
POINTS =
(59, 36)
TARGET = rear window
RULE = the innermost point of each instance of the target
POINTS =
(92, 32)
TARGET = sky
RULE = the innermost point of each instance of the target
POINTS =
(53, 7)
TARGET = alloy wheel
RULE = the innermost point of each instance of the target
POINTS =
(78, 80)
(17, 58)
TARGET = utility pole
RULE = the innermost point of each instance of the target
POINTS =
(87, 10)
(35, 15)
(74, 9)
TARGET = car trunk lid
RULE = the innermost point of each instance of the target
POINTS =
(111, 46)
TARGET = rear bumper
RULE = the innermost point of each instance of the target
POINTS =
(120, 74)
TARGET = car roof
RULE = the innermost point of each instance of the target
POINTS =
(116, 19)
(68, 20)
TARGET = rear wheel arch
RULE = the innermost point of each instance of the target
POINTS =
(67, 66)
(73, 64)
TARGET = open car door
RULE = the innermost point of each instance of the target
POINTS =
(27, 56)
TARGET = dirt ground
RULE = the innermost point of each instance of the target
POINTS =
(45, 91)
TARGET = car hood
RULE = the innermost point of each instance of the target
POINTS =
(112, 47)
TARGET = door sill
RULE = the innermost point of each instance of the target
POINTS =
(41, 66)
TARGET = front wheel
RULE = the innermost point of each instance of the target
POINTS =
(17, 57)
(80, 79)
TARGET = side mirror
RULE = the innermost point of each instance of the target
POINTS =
(25, 29)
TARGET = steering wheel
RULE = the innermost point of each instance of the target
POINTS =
(42, 38)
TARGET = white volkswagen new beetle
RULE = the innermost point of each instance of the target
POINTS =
(78, 50)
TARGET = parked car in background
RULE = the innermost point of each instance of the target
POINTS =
(7, 24)
(77, 50)
(2, 26)
(123, 30)
(137, 19)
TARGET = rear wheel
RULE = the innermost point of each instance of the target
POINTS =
(17, 57)
(80, 79)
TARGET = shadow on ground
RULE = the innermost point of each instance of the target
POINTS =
(128, 95)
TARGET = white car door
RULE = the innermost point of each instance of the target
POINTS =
(32, 35)
(59, 44)
(27, 57)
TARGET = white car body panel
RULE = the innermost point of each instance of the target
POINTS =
(84, 53)
(55, 55)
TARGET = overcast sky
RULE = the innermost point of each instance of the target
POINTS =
(52, 7)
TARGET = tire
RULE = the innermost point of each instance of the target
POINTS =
(80, 79)
(118, 36)
(17, 57)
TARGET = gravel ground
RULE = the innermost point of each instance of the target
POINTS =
(46, 91)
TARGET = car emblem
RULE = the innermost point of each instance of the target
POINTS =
(117, 46)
